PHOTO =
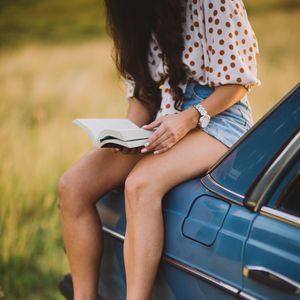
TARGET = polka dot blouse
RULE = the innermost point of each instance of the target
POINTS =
(220, 48)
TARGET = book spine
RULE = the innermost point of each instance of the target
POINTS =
(97, 143)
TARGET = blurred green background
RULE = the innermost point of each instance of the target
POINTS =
(55, 65)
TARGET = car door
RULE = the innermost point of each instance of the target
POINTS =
(207, 223)
(217, 224)
(204, 241)
(272, 254)
(249, 172)
(205, 236)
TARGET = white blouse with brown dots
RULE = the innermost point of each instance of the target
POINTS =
(220, 48)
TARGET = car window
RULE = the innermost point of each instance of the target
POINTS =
(290, 203)
(239, 170)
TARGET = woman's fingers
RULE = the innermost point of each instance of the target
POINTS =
(126, 150)
(154, 124)
(154, 137)
(134, 150)
(164, 146)
(159, 142)
(161, 150)
(115, 150)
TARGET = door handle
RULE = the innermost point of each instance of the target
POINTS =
(271, 278)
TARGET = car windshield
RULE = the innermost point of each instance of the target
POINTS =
(238, 171)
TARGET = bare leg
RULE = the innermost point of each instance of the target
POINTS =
(151, 178)
(80, 187)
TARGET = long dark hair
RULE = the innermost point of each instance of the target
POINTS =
(131, 23)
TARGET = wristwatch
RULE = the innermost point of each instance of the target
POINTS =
(204, 116)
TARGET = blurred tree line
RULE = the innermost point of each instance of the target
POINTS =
(50, 21)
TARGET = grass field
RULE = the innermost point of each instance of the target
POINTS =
(43, 89)
(46, 84)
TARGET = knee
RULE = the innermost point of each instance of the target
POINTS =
(69, 192)
(62, 185)
(140, 193)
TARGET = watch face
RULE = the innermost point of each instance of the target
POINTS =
(204, 121)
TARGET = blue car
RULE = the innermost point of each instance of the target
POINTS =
(232, 233)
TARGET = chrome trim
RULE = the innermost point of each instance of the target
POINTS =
(269, 272)
(200, 274)
(269, 178)
(246, 296)
(113, 233)
(224, 188)
(182, 266)
(280, 215)
(218, 193)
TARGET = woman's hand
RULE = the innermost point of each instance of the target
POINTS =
(171, 128)
(126, 150)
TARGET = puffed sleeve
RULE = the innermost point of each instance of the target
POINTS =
(231, 44)
(130, 85)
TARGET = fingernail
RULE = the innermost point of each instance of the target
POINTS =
(144, 126)
(156, 152)
(147, 144)
(144, 150)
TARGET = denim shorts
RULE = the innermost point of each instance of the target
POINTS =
(227, 126)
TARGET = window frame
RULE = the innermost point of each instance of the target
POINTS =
(280, 216)
(218, 188)
(261, 191)
(273, 209)
(292, 184)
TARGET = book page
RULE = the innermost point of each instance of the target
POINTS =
(110, 143)
(95, 126)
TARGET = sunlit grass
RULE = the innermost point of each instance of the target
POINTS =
(25, 21)
(278, 63)
(42, 89)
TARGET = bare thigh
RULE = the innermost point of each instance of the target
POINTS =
(190, 157)
(97, 172)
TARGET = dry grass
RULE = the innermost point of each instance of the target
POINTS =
(278, 64)
(42, 89)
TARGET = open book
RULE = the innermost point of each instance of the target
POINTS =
(114, 133)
